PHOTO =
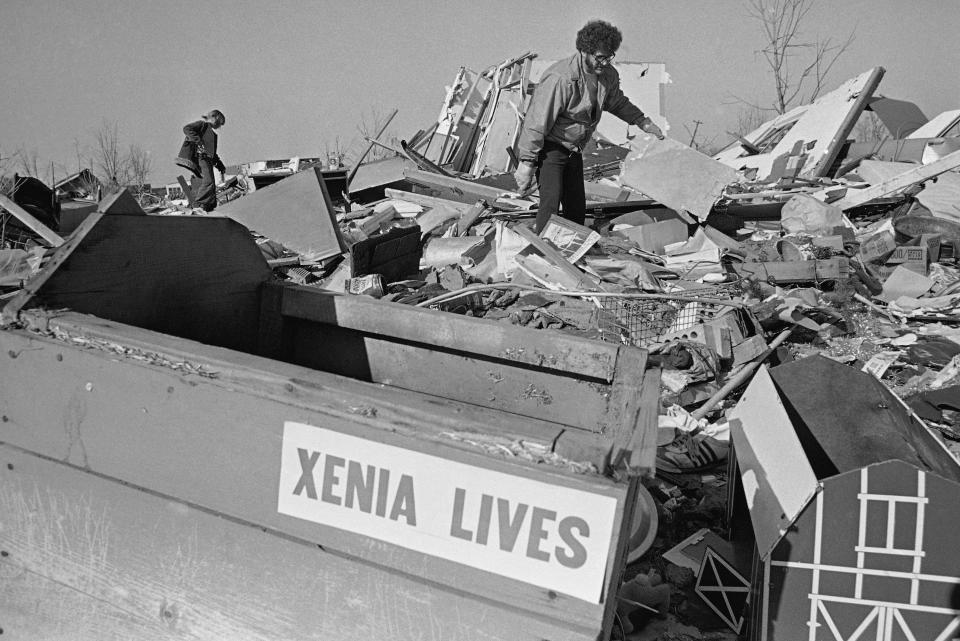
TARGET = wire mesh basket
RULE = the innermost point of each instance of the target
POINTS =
(647, 322)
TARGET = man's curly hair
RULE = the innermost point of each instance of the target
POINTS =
(598, 35)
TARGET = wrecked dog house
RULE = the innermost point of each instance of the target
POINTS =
(726, 406)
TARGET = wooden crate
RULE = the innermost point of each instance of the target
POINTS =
(285, 464)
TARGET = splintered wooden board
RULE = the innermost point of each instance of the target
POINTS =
(191, 276)
(544, 375)
(295, 212)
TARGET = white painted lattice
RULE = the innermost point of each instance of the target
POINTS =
(882, 619)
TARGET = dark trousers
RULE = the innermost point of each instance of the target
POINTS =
(560, 175)
(205, 188)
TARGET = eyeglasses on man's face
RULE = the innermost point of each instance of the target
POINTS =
(604, 58)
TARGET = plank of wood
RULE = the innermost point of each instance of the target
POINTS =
(89, 558)
(404, 411)
(642, 448)
(464, 191)
(426, 201)
(139, 424)
(477, 336)
(634, 410)
(574, 402)
(21, 214)
(795, 271)
(187, 191)
(376, 219)
(195, 277)
(469, 217)
(918, 174)
(554, 256)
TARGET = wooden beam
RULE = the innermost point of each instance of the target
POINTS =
(35, 225)
(547, 350)
(464, 191)
(426, 201)
(900, 181)
(187, 191)
(553, 255)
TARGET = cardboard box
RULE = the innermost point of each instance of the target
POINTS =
(916, 259)
(652, 237)
(877, 247)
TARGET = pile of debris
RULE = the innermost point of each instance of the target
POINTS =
(833, 263)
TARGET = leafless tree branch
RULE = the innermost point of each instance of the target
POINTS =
(785, 50)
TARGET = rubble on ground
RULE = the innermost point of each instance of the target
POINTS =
(791, 244)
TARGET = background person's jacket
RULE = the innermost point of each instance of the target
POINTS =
(200, 142)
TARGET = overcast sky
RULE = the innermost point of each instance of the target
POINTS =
(297, 77)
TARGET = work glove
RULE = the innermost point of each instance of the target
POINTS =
(524, 176)
(219, 165)
(650, 127)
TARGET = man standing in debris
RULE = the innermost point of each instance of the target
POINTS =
(563, 115)
(199, 155)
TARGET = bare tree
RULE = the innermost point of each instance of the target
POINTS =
(368, 128)
(140, 164)
(749, 118)
(28, 161)
(800, 66)
(110, 163)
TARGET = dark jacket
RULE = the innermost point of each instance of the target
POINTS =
(562, 110)
(199, 144)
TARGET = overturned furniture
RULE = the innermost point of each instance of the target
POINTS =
(192, 451)
(853, 503)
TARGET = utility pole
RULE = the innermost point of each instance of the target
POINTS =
(693, 136)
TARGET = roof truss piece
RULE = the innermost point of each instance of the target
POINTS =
(821, 128)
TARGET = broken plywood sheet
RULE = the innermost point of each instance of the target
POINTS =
(777, 478)
(820, 128)
(295, 212)
(676, 175)
(938, 126)
(641, 82)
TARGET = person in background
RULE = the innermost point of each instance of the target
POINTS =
(199, 155)
(563, 114)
